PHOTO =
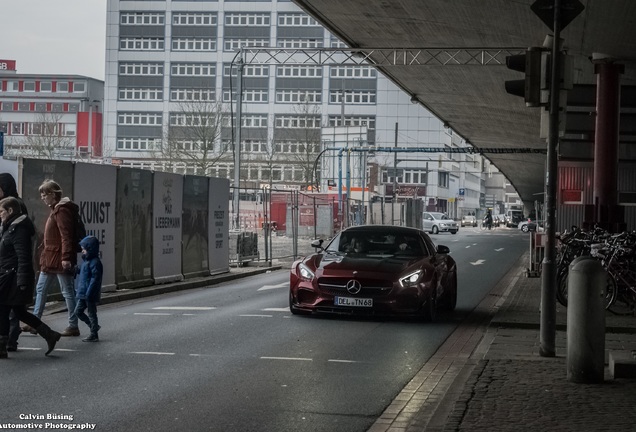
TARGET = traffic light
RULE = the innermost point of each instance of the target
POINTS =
(530, 87)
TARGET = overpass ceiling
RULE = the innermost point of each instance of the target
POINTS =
(471, 98)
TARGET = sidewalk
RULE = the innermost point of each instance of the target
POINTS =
(488, 375)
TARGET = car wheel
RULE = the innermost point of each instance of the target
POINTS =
(435, 229)
(454, 232)
(524, 228)
(430, 308)
(451, 297)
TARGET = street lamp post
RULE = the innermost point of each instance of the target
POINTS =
(237, 143)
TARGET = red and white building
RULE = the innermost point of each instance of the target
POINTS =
(62, 113)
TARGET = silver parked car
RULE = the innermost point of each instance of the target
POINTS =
(435, 222)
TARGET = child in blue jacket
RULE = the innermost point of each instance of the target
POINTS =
(89, 286)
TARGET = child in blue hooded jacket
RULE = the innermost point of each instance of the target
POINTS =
(89, 286)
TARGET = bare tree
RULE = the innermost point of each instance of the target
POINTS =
(46, 138)
(192, 135)
(307, 137)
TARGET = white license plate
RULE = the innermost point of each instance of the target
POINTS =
(353, 301)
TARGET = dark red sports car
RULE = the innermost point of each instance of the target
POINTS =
(375, 270)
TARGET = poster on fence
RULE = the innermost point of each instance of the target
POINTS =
(195, 226)
(219, 223)
(133, 235)
(166, 213)
(94, 193)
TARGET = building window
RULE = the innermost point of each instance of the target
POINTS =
(296, 20)
(141, 69)
(141, 44)
(135, 144)
(141, 18)
(352, 72)
(46, 86)
(139, 94)
(443, 179)
(17, 128)
(298, 96)
(13, 86)
(299, 71)
(298, 122)
(29, 86)
(197, 44)
(79, 87)
(233, 44)
(299, 43)
(4, 127)
(249, 96)
(191, 94)
(62, 87)
(193, 19)
(139, 118)
(254, 121)
(192, 69)
(242, 20)
(354, 97)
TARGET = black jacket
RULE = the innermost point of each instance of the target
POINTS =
(17, 278)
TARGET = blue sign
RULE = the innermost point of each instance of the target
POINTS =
(462, 192)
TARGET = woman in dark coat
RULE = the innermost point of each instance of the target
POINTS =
(17, 278)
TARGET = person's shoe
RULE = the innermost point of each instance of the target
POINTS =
(70, 331)
(91, 338)
(51, 337)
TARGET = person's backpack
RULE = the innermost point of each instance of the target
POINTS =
(79, 231)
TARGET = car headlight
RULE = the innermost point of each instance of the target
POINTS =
(305, 273)
(410, 279)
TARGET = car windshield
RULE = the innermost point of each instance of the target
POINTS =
(441, 216)
(376, 243)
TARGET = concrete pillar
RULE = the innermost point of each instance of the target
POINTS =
(587, 281)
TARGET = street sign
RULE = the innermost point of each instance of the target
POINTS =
(544, 9)
(462, 191)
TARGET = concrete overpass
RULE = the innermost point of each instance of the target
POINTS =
(468, 94)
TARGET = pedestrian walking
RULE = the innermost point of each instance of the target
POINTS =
(16, 274)
(8, 188)
(58, 256)
(89, 286)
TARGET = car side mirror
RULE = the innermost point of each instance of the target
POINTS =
(441, 249)
(317, 243)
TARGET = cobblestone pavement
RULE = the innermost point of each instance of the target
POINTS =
(488, 375)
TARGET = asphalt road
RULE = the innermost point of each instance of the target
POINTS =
(233, 358)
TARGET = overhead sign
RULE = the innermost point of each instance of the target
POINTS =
(544, 9)
(7, 65)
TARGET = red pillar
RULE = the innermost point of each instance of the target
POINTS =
(607, 212)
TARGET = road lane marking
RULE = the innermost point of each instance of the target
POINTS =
(287, 358)
(188, 308)
(151, 353)
(341, 361)
(478, 262)
(268, 287)
(152, 314)
(499, 250)
(257, 315)
(283, 309)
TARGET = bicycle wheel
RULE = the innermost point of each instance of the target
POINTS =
(624, 301)
(562, 288)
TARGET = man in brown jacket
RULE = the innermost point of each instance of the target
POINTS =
(59, 253)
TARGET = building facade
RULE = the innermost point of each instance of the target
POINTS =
(171, 90)
(50, 116)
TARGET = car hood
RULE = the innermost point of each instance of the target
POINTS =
(383, 265)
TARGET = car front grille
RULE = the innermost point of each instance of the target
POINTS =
(370, 287)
